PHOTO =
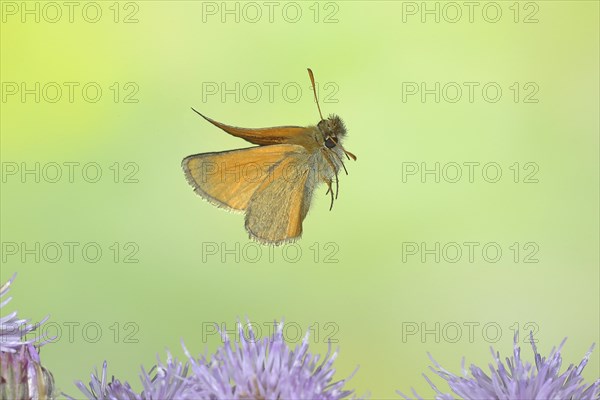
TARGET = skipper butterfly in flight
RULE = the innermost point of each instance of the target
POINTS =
(272, 183)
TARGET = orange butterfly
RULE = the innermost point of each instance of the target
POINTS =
(272, 183)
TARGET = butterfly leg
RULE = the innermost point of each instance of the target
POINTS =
(335, 171)
(341, 162)
(329, 190)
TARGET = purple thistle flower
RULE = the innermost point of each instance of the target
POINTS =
(517, 380)
(12, 329)
(253, 369)
(264, 369)
(23, 377)
(162, 382)
(21, 373)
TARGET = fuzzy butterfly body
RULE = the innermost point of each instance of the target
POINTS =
(272, 183)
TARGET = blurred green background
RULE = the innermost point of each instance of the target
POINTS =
(153, 60)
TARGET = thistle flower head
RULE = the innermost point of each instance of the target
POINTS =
(12, 329)
(162, 382)
(519, 380)
(23, 377)
(264, 369)
(251, 369)
(21, 373)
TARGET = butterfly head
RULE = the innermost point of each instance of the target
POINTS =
(333, 130)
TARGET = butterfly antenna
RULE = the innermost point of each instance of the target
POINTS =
(312, 80)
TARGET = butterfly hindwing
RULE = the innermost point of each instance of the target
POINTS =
(279, 205)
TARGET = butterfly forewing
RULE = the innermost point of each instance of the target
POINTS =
(261, 136)
(229, 179)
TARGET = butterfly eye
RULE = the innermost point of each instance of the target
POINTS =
(330, 143)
